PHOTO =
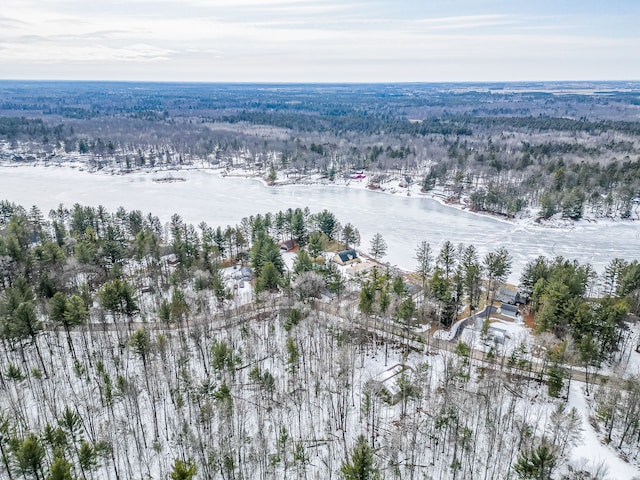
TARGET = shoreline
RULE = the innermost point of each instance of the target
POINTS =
(391, 188)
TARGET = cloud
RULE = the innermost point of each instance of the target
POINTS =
(465, 22)
(302, 40)
(13, 23)
(215, 4)
(84, 54)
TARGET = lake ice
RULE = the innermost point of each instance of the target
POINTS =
(403, 221)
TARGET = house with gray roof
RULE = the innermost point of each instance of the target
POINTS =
(508, 310)
(346, 257)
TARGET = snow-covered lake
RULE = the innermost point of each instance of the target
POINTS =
(403, 221)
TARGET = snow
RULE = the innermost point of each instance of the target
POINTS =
(630, 358)
(309, 421)
(591, 449)
(403, 221)
(509, 336)
(451, 333)
(242, 290)
(289, 258)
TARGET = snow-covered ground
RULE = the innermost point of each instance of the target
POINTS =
(591, 450)
(242, 289)
(627, 357)
(340, 387)
(502, 336)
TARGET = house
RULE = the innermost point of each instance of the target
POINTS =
(497, 335)
(508, 310)
(246, 273)
(357, 268)
(288, 245)
(171, 259)
(346, 257)
(510, 295)
(413, 289)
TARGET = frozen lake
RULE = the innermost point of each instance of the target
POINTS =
(403, 221)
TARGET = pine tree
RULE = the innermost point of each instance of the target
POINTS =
(60, 470)
(87, 457)
(303, 262)
(183, 470)
(350, 236)
(538, 463)
(362, 465)
(29, 456)
(424, 256)
(118, 296)
(315, 245)
(140, 343)
(327, 223)
(378, 247)
(269, 278)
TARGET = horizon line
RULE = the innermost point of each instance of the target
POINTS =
(319, 82)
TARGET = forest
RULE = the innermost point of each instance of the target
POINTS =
(551, 149)
(128, 352)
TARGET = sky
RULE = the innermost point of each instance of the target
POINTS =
(320, 41)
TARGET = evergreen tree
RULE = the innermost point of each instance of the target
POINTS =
(269, 278)
(118, 296)
(140, 343)
(303, 262)
(183, 470)
(406, 310)
(447, 258)
(315, 245)
(361, 465)
(367, 297)
(424, 256)
(497, 264)
(29, 455)
(6, 436)
(350, 236)
(471, 275)
(60, 469)
(87, 457)
(265, 250)
(298, 227)
(18, 312)
(68, 313)
(58, 308)
(538, 463)
(378, 247)
(179, 306)
(327, 223)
